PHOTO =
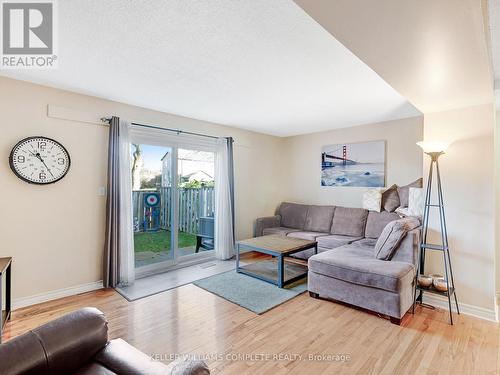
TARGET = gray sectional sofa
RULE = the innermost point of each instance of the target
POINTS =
(345, 268)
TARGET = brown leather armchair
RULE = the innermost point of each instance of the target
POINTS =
(77, 343)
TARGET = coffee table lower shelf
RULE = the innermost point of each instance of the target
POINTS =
(267, 270)
(281, 270)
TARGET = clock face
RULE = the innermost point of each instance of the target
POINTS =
(39, 160)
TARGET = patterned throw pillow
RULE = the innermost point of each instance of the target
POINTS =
(416, 200)
(372, 200)
(404, 191)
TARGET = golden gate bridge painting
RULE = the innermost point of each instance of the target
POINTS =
(353, 164)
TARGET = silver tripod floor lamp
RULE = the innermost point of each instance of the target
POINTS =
(444, 287)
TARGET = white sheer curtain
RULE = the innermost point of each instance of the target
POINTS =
(224, 231)
(126, 251)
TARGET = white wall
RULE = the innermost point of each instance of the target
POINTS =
(497, 199)
(467, 172)
(303, 160)
(55, 233)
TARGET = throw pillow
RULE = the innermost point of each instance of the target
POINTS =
(404, 191)
(416, 201)
(392, 235)
(403, 212)
(372, 200)
(390, 199)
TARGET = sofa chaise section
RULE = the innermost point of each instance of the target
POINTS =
(358, 266)
(351, 274)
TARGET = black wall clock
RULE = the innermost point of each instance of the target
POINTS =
(39, 160)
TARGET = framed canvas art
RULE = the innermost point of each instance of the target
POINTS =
(353, 164)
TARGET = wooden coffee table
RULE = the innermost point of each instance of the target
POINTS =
(279, 247)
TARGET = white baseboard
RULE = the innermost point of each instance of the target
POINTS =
(18, 303)
(478, 312)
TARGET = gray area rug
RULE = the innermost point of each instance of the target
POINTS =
(253, 294)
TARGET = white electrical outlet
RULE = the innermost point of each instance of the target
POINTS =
(102, 191)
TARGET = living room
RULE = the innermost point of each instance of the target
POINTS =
(238, 187)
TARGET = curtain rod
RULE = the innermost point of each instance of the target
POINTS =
(178, 131)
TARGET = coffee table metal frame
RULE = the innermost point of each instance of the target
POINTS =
(280, 256)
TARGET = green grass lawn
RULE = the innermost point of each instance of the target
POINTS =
(160, 241)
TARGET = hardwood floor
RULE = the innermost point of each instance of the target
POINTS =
(189, 320)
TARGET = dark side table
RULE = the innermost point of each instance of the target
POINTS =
(5, 269)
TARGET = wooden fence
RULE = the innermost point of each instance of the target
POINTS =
(193, 204)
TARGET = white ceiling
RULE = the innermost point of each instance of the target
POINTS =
(435, 53)
(261, 65)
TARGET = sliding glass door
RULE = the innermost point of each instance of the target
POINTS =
(151, 167)
(196, 189)
(172, 201)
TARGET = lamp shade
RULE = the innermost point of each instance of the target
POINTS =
(433, 146)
